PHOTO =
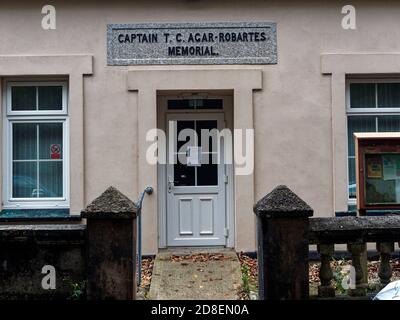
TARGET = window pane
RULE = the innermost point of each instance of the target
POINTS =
(207, 174)
(50, 179)
(184, 175)
(24, 141)
(208, 103)
(187, 135)
(358, 124)
(388, 123)
(24, 180)
(388, 95)
(362, 95)
(177, 104)
(50, 97)
(352, 178)
(50, 140)
(380, 183)
(23, 98)
(207, 125)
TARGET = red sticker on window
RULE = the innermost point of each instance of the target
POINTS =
(55, 151)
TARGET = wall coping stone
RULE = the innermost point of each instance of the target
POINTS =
(111, 204)
(281, 202)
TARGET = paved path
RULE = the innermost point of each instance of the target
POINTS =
(195, 274)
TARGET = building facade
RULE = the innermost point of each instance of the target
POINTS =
(79, 103)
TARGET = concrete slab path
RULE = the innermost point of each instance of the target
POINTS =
(195, 274)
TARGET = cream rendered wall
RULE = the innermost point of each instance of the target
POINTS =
(292, 114)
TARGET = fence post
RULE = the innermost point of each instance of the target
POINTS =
(282, 228)
(111, 247)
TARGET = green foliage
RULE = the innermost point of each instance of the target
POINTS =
(78, 290)
(245, 279)
(339, 274)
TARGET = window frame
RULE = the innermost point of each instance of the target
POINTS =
(46, 83)
(42, 116)
(372, 112)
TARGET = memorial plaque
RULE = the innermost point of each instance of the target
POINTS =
(191, 43)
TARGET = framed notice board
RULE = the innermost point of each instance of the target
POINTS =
(377, 171)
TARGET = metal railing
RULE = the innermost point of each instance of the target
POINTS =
(148, 190)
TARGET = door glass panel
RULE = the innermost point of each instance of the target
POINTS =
(182, 126)
(207, 174)
(183, 174)
(207, 125)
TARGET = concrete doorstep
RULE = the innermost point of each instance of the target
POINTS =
(195, 274)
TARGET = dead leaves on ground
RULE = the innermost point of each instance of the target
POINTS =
(147, 270)
(200, 257)
(249, 266)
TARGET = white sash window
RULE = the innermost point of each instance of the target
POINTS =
(372, 106)
(36, 145)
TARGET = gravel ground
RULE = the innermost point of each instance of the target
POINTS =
(250, 275)
(339, 267)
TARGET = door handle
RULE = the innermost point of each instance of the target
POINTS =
(170, 185)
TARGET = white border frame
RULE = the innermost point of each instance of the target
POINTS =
(372, 112)
(227, 111)
(354, 65)
(148, 83)
(47, 83)
(45, 116)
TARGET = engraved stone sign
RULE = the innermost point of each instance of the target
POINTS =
(192, 43)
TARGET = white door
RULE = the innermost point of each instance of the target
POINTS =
(196, 213)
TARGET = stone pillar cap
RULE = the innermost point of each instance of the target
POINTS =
(111, 204)
(282, 203)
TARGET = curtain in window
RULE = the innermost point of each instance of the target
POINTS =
(359, 124)
(37, 160)
(388, 123)
(30, 98)
(388, 95)
(362, 95)
(23, 98)
(50, 97)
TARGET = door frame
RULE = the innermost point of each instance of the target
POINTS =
(162, 112)
(244, 84)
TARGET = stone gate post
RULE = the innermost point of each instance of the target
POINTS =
(282, 231)
(111, 247)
